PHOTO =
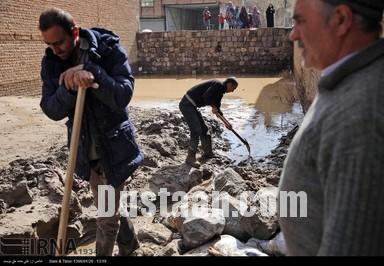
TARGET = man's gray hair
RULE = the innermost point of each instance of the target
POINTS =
(365, 24)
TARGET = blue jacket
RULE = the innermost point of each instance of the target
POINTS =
(105, 107)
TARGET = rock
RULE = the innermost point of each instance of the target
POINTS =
(172, 249)
(10, 210)
(3, 206)
(17, 195)
(173, 178)
(151, 249)
(202, 251)
(182, 140)
(265, 223)
(202, 226)
(153, 128)
(85, 197)
(41, 222)
(233, 209)
(273, 247)
(173, 221)
(155, 233)
(147, 250)
(197, 197)
(256, 227)
(194, 178)
(230, 246)
(47, 227)
(229, 181)
(150, 161)
(52, 187)
(207, 173)
(175, 119)
(160, 147)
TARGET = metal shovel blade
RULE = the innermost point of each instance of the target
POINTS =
(243, 141)
(237, 135)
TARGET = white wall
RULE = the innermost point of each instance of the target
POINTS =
(154, 24)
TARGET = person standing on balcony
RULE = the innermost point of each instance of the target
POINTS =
(270, 14)
(256, 17)
(221, 21)
(207, 18)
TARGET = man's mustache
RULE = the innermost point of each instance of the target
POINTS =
(301, 44)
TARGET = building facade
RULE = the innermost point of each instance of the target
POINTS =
(21, 47)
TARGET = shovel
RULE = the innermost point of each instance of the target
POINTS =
(62, 234)
(237, 135)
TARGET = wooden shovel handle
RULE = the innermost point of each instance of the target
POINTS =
(61, 236)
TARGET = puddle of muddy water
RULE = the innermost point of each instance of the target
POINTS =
(261, 110)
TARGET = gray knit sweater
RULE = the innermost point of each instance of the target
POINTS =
(337, 158)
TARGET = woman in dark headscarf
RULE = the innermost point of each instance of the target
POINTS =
(270, 16)
(244, 18)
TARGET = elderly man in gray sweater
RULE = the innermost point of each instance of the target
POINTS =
(337, 156)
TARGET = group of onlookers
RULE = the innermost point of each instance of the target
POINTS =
(236, 17)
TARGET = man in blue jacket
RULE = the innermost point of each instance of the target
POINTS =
(108, 154)
(208, 93)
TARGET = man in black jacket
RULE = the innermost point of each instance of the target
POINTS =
(207, 93)
(108, 154)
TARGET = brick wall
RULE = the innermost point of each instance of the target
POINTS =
(21, 48)
(245, 51)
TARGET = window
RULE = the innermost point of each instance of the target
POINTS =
(147, 3)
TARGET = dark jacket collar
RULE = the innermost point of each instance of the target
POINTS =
(354, 64)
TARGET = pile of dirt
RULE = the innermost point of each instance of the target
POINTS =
(31, 189)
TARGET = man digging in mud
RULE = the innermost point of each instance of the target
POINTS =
(108, 153)
(207, 93)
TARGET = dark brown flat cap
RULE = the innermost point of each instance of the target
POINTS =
(372, 9)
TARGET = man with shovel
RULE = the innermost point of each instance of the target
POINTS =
(207, 93)
(92, 59)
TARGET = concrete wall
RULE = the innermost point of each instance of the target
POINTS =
(154, 24)
(213, 52)
(21, 48)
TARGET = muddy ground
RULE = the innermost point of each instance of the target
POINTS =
(33, 158)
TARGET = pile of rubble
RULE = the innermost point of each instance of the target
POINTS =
(199, 223)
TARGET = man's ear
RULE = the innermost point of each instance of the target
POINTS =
(75, 32)
(342, 19)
